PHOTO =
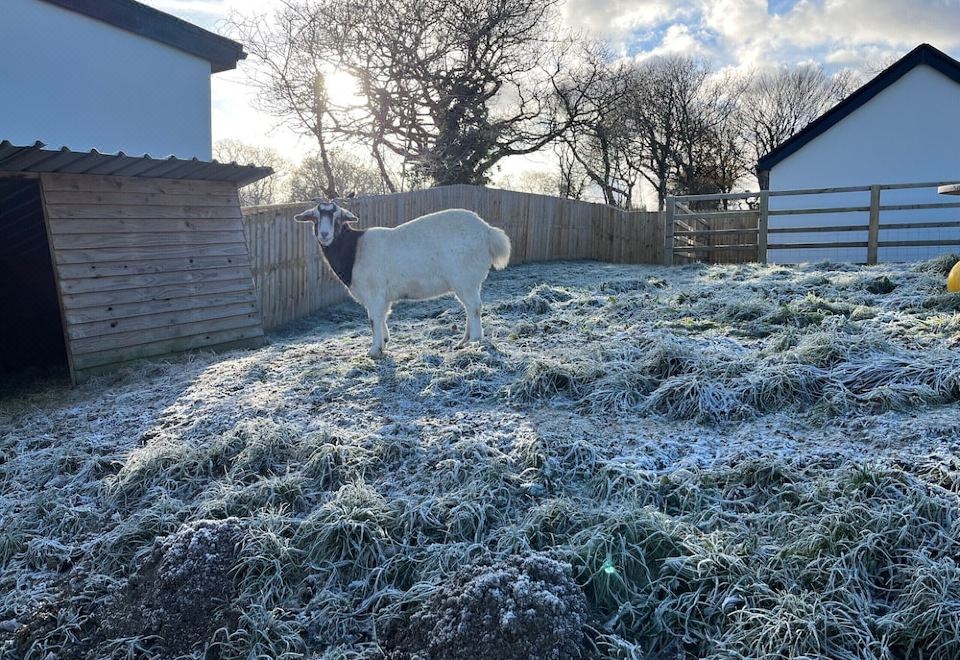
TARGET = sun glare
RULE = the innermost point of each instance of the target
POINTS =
(343, 87)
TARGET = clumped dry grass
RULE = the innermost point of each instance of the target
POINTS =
(715, 462)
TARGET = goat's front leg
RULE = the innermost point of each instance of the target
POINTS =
(378, 322)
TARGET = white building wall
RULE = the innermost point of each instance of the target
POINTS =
(70, 80)
(909, 132)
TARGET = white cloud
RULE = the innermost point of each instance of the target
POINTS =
(852, 30)
(209, 14)
(616, 17)
(678, 39)
(744, 33)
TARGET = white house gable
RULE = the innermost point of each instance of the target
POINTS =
(908, 132)
(72, 80)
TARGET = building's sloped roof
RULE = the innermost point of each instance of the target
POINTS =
(922, 54)
(35, 158)
(222, 53)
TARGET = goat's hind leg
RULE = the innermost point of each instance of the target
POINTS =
(471, 306)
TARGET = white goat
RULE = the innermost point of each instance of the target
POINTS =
(445, 252)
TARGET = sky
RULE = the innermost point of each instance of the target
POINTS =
(734, 34)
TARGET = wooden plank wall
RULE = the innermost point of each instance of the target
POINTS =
(719, 240)
(747, 221)
(147, 267)
(292, 280)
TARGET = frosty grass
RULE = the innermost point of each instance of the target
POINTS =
(734, 461)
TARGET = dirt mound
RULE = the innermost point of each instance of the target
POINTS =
(523, 607)
(178, 593)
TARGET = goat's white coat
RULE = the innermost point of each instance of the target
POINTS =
(445, 252)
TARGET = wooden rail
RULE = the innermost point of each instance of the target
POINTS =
(678, 211)
(809, 191)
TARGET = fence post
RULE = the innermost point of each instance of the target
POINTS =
(763, 222)
(668, 232)
(873, 230)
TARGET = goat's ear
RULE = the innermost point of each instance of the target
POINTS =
(304, 217)
(353, 193)
(348, 218)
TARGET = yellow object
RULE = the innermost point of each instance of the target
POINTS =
(953, 279)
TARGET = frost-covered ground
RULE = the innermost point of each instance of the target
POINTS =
(729, 461)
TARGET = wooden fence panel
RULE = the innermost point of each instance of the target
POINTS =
(292, 280)
(811, 234)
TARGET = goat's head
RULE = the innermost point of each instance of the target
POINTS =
(328, 220)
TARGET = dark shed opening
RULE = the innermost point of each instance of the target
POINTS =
(31, 331)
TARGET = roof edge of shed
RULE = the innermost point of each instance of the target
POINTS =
(37, 159)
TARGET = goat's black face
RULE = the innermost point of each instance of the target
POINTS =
(328, 221)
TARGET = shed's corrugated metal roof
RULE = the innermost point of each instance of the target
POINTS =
(35, 158)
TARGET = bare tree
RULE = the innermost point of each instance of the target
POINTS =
(731, 154)
(874, 65)
(659, 88)
(693, 103)
(450, 88)
(540, 182)
(777, 104)
(666, 120)
(264, 191)
(712, 156)
(599, 139)
(573, 179)
(350, 174)
(289, 69)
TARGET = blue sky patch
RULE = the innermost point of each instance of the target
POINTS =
(779, 7)
(646, 40)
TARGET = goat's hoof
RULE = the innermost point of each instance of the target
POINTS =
(466, 341)
(375, 354)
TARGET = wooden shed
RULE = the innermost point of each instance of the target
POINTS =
(111, 258)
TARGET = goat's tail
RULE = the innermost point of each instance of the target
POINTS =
(499, 244)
